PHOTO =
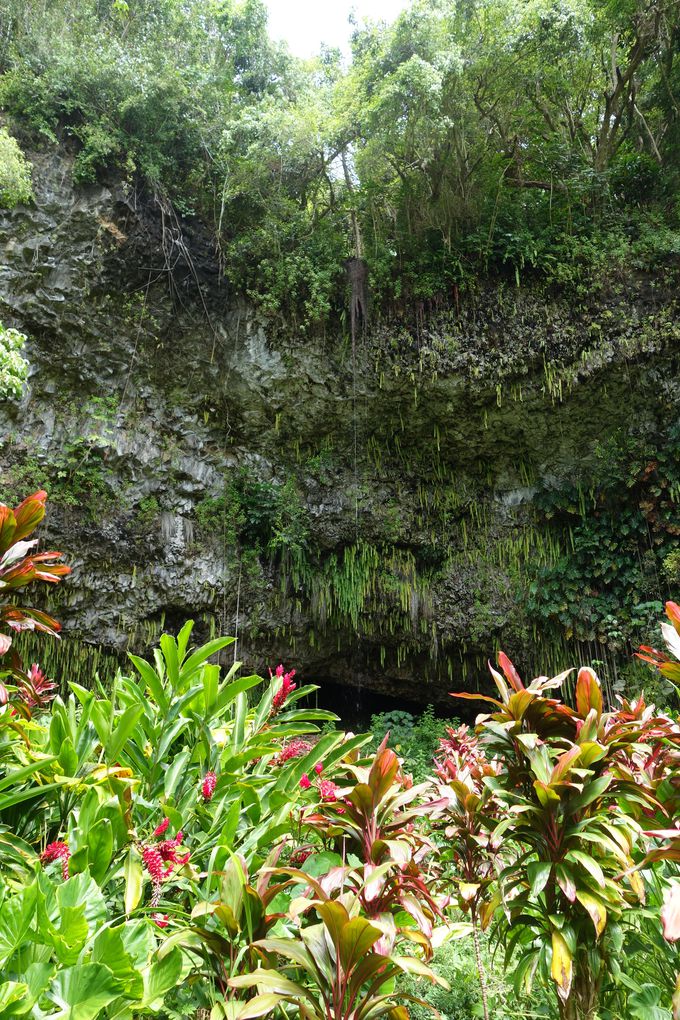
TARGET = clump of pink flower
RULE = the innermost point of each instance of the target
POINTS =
(168, 851)
(287, 687)
(305, 782)
(160, 859)
(328, 791)
(58, 851)
(153, 862)
(294, 749)
(208, 785)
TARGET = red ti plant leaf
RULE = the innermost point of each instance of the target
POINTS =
(29, 514)
(588, 692)
(19, 566)
(511, 674)
(8, 526)
(670, 914)
(673, 614)
(668, 667)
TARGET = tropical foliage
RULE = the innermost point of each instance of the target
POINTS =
(197, 839)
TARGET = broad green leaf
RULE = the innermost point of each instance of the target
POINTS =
(82, 992)
(100, 848)
(109, 949)
(16, 919)
(169, 650)
(587, 862)
(592, 791)
(204, 652)
(161, 977)
(35, 980)
(11, 993)
(152, 681)
(645, 1004)
(176, 772)
(561, 967)
(538, 874)
(122, 733)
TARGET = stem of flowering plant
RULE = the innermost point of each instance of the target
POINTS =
(481, 973)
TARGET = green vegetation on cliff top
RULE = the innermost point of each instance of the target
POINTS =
(468, 137)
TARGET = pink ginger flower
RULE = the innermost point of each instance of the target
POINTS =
(153, 862)
(208, 785)
(304, 781)
(160, 859)
(295, 749)
(318, 768)
(57, 852)
(287, 687)
(328, 790)
(163, 827)
(161, 920)
(168, 851)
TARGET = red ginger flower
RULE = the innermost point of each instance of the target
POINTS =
(208, 785)
(162, 920)
(287, 687)
(304, 781)
(160, 829)
(57, 852)
(318, 768)
(299, 856)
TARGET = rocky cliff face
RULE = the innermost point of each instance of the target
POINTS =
(367, 516)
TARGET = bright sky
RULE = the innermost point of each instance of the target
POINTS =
(305, 24)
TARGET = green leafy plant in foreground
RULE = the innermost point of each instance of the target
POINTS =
(572, 786)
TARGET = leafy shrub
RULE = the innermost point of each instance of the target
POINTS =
(13, 366)
(567, 786)
(414, 738)
(15, 173)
